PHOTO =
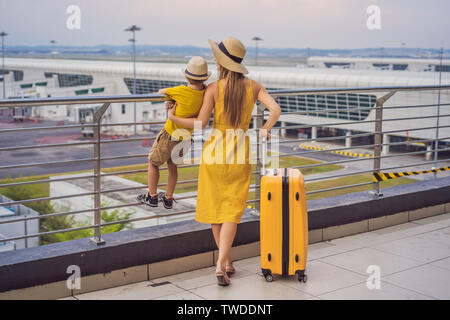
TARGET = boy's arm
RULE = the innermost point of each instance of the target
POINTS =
(169, 104)
(204, 114)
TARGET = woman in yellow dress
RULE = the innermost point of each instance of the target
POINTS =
(225, 170)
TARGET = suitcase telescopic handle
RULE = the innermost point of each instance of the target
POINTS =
(263, 154)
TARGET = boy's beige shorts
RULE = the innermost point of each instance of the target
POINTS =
(161, 150)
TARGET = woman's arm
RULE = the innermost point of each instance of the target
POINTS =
(204, 114)
(270, 104)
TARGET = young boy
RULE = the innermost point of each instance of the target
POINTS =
(189, 99)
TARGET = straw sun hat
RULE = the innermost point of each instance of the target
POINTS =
(197, 69)
(229, 54)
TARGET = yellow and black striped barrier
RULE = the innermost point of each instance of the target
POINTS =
(343, 153)
(378, 176)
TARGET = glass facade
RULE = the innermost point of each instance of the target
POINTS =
(144, 86)
(443, 68)
(331, 105)
(71, 80)
(18, 74)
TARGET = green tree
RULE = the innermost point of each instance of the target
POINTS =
(106, 217)
(54, 223)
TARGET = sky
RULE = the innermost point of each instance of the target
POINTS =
(321, 24)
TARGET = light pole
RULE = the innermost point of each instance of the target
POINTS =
(256, 39)
(133, 29)
(53, 47)
(3, 35)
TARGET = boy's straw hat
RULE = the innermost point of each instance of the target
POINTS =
(229, 54)
(197, 69)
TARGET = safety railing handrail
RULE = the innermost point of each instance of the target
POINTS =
(105, 101)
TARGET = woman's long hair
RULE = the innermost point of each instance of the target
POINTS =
(234, 95)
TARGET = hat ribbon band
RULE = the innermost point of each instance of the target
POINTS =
(229, 55)
(195, 75)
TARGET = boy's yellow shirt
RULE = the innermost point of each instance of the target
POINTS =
(189, 102)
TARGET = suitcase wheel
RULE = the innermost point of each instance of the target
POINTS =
(302, 277)
(267, 274)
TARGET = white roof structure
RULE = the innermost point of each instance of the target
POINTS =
(377, 59)
(380, 63)
(276, 77)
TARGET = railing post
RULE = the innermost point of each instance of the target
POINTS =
(378, 141)
(97, 239)
(259, 123)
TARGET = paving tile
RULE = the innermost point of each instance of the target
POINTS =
(443, 263)
(328, 248)
(349, 243)
(186, 295)
(252, 265)
(199, 278)
(386, 292)
(314, 298)
(367, 239)
(428, 280)
(416, 248)
(443, 219)
(441, 236)
(359, 260)
(323, 278)
(409, 229)
(68, 298)
(253, 287)
(136, 291)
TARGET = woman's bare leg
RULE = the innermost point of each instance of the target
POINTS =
(227, 234)
(216, 233)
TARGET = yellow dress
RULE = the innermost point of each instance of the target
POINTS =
(225, 169)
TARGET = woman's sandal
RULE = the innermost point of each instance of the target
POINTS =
(222, 277)
(229, 269)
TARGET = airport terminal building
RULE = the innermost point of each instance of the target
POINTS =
(26, 78)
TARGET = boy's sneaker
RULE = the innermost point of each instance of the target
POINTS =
(148, 199)
(166, 201)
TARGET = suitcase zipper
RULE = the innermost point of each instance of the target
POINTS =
(285, 222)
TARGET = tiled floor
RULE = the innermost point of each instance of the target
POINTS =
(413, 260)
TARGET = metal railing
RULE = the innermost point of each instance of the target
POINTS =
(97, 142)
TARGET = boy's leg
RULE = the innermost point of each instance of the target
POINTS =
(151, 198)
(171, 179)
(153, 178)
(155, 160)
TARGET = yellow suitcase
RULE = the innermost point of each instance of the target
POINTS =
(283, 224)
